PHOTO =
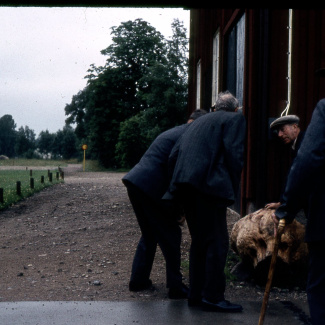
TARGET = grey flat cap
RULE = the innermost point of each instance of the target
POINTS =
(288, 119)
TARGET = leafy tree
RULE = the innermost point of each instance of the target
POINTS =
(164, 89)
(105, 111)
(76, 112)
(178, 52)
(7, 136)
(62, 144)
(136, 81)
(65, 143)
(25, 142)
(132, 140)
(111, 95)
(45, 142)
(56, 150)
(136, 46)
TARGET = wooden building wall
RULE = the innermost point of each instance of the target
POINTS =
(265, 84)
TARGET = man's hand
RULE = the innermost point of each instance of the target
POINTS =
(273, 205)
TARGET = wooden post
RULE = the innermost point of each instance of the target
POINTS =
(18, 188)
(32, 183)
(1, 195)
(84, 161)
(57, 175)
(42, 179)
(50, 177)
(62, 175)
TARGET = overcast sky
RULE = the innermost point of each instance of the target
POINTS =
(45, 54)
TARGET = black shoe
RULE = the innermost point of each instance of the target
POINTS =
(139, 286)
(178, 293)
(222, 306)
(194, 302)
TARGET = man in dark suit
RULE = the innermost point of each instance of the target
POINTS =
(206, 176)
(146, 183)
(305, 183)
(288, 131)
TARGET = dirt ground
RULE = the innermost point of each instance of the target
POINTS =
(75, 241)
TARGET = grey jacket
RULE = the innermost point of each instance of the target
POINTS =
(210, 155)
(151, 173)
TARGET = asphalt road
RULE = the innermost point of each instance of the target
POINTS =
(147, 313)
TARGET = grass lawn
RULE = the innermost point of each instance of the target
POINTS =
(34, 168)
(16, 185)
(35, 162)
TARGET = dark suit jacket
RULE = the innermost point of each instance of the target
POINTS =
(306, 179)
(210, 155)
(293, 156)
(298, 144)
(151, 173)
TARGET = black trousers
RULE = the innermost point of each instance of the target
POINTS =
(158, 224)
(316, 282)
(206, 219)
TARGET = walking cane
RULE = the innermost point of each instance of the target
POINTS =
(271, 270)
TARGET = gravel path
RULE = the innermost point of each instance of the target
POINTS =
(76, 240)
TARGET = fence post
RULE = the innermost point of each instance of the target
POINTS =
(1, 195)
(50, 177)
(42, 179)
(32, 183)
(57, 175)
(18, 188)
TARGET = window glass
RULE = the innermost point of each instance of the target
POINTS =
(235, 59)
(198, 85)
(215, 67)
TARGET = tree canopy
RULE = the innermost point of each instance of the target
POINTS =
(140, 92)
(24, 144)
(7, 135)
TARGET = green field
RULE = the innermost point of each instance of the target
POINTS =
(39, 167)
(9, 187)
(35, 162)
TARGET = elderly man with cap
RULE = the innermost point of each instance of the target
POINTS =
(288, 131)
(305, 190)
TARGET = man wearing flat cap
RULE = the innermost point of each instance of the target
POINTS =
(288, 131)
(305, 183)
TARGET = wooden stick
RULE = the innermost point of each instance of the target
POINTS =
(271, 271)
